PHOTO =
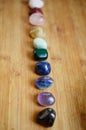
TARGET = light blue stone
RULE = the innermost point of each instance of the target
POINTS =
(44, 82)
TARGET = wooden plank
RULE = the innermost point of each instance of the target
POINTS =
(65, 29)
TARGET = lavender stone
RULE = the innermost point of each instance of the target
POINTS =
(42, 68)
(45, 99)
(44, 82)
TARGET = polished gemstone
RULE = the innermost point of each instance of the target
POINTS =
(40, 54)
(35, 10)
(45, 99)
(36, 19)
(36, 32)
(40, 43)
(46, 117)
(36, 3)
(42, 68)
(44, 82)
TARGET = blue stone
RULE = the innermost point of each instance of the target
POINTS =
(44, 82)
(42, 68)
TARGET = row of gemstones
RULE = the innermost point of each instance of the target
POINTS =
(36, 17)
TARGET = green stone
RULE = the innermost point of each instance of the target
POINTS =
(40, 54)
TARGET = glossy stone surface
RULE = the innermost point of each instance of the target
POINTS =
(35, 10)
(36, 19)
(42, 68)
(36, 3)
(40, 43)
(36, 32)
(45, 99)
(46, 117)
(44, 82)
(40, 54)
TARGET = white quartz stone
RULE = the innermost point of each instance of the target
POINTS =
(36, 3)
(40, 43)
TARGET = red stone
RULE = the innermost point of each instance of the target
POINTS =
(35, 10)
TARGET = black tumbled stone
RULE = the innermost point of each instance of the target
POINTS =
(46, 117)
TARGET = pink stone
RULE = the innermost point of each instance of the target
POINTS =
(36, 19)
(35, 10)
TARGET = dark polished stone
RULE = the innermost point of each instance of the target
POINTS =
(42, 68)
(46, 117)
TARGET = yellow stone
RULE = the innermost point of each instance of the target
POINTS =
(36, 32)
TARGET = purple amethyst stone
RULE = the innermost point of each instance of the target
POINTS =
(45, 99)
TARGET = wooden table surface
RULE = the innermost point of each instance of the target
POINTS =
(65, 29)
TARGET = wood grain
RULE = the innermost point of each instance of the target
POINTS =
(65, 29)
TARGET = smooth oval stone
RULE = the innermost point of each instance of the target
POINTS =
(35, 10)
(45, 99)
(36, 3)
(44, 82)
(40, 54)
(42, 68)
(40, 43)
(46, 117)
(37, 32)
(36, 19)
